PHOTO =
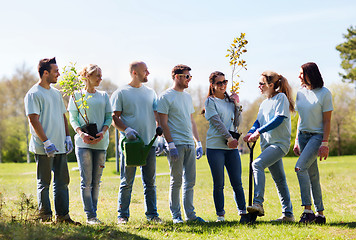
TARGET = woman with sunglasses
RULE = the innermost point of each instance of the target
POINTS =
(222, 112)
(273, 124)
(314, 105)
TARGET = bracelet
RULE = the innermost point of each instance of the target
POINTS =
(324, 143)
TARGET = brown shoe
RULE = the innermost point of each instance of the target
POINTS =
(68, 221)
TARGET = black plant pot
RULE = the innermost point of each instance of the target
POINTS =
(90, 129)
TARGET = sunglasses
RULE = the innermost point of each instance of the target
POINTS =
(262, 83)
(219, 84)
(187, 76)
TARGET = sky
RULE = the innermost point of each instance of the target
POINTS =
(282, 36)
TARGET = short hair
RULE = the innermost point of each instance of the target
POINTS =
(179, 69)
(134, 65)
(45, 65)
(312, 75)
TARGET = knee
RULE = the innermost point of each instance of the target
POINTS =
(257, 166)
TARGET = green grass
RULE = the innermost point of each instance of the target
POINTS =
(338, 178)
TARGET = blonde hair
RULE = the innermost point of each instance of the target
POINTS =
(89, 70)
(280, 85)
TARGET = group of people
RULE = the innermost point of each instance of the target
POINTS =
(136, 111)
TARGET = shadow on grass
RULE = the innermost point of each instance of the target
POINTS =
(35, 231)
(343, 224)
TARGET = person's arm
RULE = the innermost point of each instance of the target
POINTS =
(117, 122)
(296, 148)
(163, 120)
(37, 126)
(194, 129)
(66, 125)
(324, 148)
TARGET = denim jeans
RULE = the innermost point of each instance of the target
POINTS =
(182, 169)
(308, 172)
(271, 157)
(91, 165)
(148, 180)
(45, 166)
(218, 158)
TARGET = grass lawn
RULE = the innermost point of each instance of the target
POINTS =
(338, 178)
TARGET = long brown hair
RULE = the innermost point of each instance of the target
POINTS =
(281, 85)
(312, 75)
(211, 93)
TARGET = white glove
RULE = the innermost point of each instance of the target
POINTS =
(131, 133)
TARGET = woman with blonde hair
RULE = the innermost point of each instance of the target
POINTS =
(273, 124)
(91, 150)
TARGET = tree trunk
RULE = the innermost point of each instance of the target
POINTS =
(338, 140)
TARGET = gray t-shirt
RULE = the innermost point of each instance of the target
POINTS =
(49, 105)
(179, 107)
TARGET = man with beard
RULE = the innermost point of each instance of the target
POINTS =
(50, 142)
(175, 109)
(134, 114)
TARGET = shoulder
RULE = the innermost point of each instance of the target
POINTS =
(281, 96)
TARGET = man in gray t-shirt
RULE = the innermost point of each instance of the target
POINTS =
(175, 109)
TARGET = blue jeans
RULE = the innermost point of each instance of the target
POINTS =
(218, 158)
(271, 157)
(91, 165)
(308, 172)
(148, 180)
(45, 166)
(182, 169)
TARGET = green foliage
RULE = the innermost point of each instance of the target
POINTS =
(236, 49)
(71, 82)
(348, 55)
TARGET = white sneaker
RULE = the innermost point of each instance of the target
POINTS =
(93, 221)
(122, 220)
(220, 218)
(284, 219)
(178, 220)
(256, 208)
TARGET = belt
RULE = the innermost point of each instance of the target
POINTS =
(308, 133)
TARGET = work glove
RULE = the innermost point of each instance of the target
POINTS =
(160, 145)
(173, 151)
(49, 148)
(69, 145)
(199, 150)
(131, 133)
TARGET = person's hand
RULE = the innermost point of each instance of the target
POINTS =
(68, 144)
(99, 137)
(232, 143)
(160, 146)
(235, 98)
(323, 151)
(173, 151)
(199, 150)
(254, 136)
(49, 148)
(247, 137)
(296, 149)
(131, 133)
(87, 138)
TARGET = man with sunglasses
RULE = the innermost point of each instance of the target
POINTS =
(175, 109)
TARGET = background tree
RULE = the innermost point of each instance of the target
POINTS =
(343, 122)
(14, 132)
(348, 55)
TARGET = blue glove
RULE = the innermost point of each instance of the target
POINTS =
(69, 145)
(131, 133)
(160, 146)
(49, 148)
(173, 151)
(199, 150)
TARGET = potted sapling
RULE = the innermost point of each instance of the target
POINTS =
(72, 85)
